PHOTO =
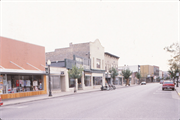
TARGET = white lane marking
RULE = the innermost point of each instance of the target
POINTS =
(56, 99)
(22, 106)
(15, 107)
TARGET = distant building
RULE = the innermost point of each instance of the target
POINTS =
(149, 73)
(160, 74)
(133, 68)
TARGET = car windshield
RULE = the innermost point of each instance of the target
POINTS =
(168, 83)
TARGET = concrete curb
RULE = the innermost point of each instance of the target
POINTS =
(45, 98)
(178, 93)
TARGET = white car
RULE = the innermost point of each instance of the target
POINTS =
(143, 83)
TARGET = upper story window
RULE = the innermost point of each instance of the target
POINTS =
(98, 63)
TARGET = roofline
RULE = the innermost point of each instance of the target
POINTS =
(111, 55)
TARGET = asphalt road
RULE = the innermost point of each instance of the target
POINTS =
(146, 102)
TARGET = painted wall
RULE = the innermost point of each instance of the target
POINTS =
(21, 53)
(144, 70)
(97, 52)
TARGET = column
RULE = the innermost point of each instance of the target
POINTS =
(82, 80)
(66, 80)
(92, 80)
(103, 79)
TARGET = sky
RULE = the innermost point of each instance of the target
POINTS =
(136, 31)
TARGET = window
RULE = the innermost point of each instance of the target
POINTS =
(71, 83)
(98, 63)
(97, 80)
(87, 80)
(23, 83)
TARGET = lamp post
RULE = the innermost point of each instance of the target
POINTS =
(177, 75)
(49, 63)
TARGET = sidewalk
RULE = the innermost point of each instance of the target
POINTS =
(178, 89)
(13, 101)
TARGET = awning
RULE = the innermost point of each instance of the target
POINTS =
(19, 71)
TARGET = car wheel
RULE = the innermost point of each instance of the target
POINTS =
(162, 88)
(173, 89)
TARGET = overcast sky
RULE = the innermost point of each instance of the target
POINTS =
(135, 31)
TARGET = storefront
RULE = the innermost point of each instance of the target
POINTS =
(22, 69)
(16, 84)
(118, 81)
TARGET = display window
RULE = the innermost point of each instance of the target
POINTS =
(21, 83)
(97, 80)
(87, 80)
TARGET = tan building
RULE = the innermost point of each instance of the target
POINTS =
(149, 73)
(90, 55)
(111, 61)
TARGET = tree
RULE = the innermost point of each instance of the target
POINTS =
(114, 73)
(174, 63)
(138, 75)
(75, 73)
(126, 73)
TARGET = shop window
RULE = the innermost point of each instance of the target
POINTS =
(71, 83)
(97, 80)
(87, 80)
(22, 83)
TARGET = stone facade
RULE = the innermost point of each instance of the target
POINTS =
(60, 54)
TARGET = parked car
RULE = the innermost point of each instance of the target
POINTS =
(161, 81)
(168, 85)
(1, 103)
(143, 83)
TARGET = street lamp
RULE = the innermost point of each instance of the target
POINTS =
(49, 63)
(177, 75)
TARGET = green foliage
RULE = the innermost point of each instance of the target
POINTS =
(126, 73)
(174, 49)
(138, 75)
(75, 73)
(113, 72)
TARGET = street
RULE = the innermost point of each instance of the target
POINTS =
(143, 102)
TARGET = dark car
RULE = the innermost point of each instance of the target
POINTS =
(143, 83)
(168, 85)
(161, 81)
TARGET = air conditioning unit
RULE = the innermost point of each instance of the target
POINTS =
(62, 72)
